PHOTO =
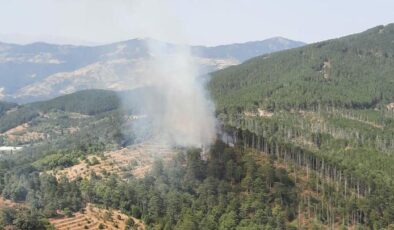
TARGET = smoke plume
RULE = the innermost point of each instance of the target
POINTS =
(178, 107)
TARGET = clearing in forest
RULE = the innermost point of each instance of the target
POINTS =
(135, 161)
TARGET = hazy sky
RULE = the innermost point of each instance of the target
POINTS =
(207, 22)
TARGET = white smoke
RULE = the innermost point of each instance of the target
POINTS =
(181, 112)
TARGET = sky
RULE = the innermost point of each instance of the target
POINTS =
(197, 22)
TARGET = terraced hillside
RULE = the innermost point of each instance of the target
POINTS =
(97, 218)
(136, 160)
(64, 141)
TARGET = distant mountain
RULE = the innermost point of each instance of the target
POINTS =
(244, 51)
(40, 71)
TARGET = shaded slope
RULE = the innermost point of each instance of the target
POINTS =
(87, 102)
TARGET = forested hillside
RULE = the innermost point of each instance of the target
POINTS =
(306, 142)
(229, 190)
(351, 72)
(89, 102)
(191, 190)
(323, 109)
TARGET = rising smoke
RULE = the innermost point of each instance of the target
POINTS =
(178, 108)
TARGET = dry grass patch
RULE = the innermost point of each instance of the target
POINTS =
(135, 160)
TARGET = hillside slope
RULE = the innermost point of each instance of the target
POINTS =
(351, 72)
(322, 108)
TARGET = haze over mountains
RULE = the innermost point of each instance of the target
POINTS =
(40, 71)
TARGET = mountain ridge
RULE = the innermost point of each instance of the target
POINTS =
(32, 66)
